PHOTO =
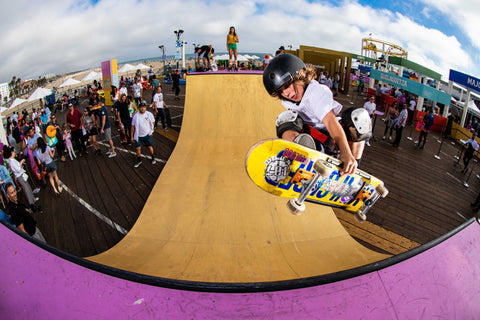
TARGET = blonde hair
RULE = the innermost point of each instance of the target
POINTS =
(306, 75)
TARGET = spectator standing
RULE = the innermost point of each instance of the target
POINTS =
(21, 215)
(232, 40)
(176, 83)
(18, 136)
(150, 75)
(155, 84)
(75, 120)
(361, 84)
(472, 146)
(425, 128)
(45, 154)
(411, 110)
(123, 115)
(106, 129)
(20, 175)
(141, 132)
(67, 138)
(400, 124)
(91, 126)
(60, 146)
(137, 89)
(123, 90)
(336, 83)
(390, 119)
(159, 104)
(370, 107)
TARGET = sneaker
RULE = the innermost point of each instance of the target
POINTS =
(390, 138)
(305, 140)
(154, 161)
(36, 199)
(108, 152)
(60, 189)
(36, 190)
(368, 144)
(165, 129)
(383, 137)
(112, 154)
(137, 164)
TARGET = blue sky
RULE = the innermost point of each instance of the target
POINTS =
(41, 37)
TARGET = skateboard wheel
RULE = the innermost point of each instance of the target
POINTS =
(294, 207)
(382, 191)
(321, 169)
(360, 216)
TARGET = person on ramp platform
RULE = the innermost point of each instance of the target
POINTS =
(288, 78)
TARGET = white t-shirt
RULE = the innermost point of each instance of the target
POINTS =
(402, 118)
(474, 144)
(370, 107)
(413, 104)
(123, 90)
(16, 168)
(158, 99)
(143, 124)
(317, 101)
(137, 90)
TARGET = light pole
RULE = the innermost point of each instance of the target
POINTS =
(179, 44)
(163, 56)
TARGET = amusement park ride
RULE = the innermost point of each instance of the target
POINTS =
(371, 47)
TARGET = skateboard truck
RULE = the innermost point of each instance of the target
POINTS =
(297, 206)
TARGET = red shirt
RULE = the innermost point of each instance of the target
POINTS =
(74, 119)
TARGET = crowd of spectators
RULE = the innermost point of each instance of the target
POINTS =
(36, 140)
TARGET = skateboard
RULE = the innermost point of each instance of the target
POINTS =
(290, 170)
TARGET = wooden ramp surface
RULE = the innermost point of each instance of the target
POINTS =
(206, 221)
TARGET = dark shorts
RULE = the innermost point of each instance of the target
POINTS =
(93, 132)
(51, 167)
(146, 141)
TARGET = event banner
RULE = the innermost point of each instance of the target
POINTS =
(109, 78)
(465, 80)
(414, 87)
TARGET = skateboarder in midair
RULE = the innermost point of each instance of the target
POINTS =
(292, 81)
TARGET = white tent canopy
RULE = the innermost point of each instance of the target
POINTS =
(70, 82)
(126, 68)
(39, 93)
(92, 76)
(222, 57)
(17, 102)
(472, 107)
(142, 66)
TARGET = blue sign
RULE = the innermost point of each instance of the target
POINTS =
(364, 68)
(412, 86)
(465, 80)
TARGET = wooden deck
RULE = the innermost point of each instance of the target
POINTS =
(104, 196)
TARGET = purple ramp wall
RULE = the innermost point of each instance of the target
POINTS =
(442, 282)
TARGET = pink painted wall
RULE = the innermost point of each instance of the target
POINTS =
(442, 282)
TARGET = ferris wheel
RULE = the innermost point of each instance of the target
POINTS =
(374, 48)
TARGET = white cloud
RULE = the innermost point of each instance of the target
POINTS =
(50, 36)
(464, 14)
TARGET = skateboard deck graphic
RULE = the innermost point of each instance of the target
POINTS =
(289, 170)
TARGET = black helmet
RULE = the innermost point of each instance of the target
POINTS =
(281, 69)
